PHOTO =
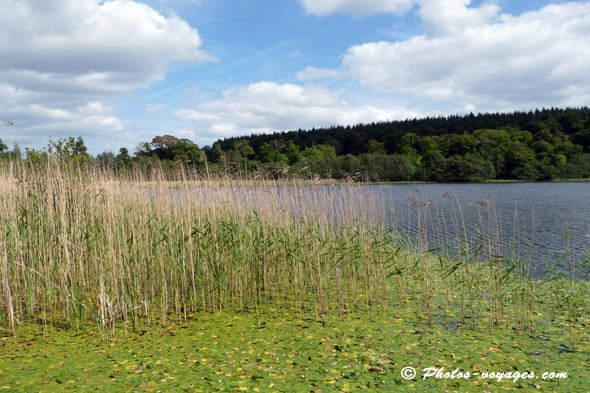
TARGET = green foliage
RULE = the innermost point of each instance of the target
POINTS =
(312, 154)
(494, 145)
(272, 152)
(171, 148)
(216, 154)
(520, 162)
(9, 155)
(551, 166)
(36, 157)
(545, 144)
(242, 149)
(375, 147)
(409, 143)
(468, 168)
(402, 168)
(457, 145)
(433, 166)
(318, 152)
(123, 159)
(69, 149)
(292, 152)
(106, 159)
(582, 138)
(528, 146)
(579, 167)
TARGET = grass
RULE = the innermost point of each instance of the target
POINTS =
(295, 285)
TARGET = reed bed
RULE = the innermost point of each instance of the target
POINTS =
(85, 246)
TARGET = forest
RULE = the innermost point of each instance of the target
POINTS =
(540, 145)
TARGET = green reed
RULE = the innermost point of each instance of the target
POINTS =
(82, 246)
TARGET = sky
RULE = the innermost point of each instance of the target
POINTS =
(120, 72)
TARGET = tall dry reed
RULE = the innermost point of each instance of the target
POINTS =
(84, 246)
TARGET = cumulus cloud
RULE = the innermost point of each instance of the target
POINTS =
(484, 59)
(443, 17)
(356, 7)
(62, 60)
(267, 106)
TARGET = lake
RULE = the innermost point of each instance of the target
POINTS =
(542, 224)
(546, 225)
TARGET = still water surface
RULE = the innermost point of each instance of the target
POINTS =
(543, 224)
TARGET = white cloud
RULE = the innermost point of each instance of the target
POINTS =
(311, 73)
(356, 7)
(443, 17)
(483, 59)
(267, 106)
(62, 60)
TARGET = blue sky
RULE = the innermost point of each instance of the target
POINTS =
(120, 72)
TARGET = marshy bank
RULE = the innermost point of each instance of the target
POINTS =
(87, 251)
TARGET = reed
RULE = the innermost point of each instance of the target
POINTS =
(84, 246)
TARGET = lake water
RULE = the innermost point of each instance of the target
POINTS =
(542, 224)
(545, 223)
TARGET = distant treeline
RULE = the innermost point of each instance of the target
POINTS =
(536, 145)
